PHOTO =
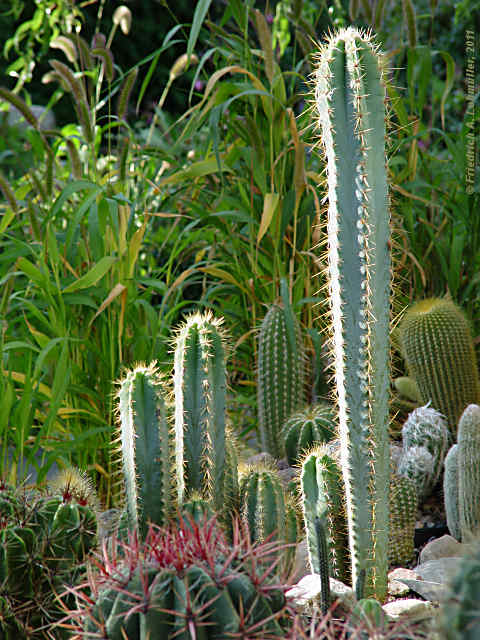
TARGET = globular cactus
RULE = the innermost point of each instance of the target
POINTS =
(403, 515)
(45, 539)
(280, 374)
(417, 464)
(183, 581)
(200, 404)
(266, 510)
(146, 448)
(305, 428)
(322, 497)
(459, 617)
(425, 428)
(450, 492)
(437, 345)
(350, 92)
(468, 460)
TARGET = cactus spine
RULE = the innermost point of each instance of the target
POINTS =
(469, 472)
(450, 492)
(281, 374)
(145, 447)
(350, 98)
(313, 425)
(322, 492)
(200, 398)
(437, 345)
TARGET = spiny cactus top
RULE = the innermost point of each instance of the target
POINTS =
(437, 345)
(350, 93)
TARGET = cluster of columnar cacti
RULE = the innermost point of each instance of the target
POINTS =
(306, 428)
(350, 91)
(462, 478)
(281, 374)
(425, 440)
(44, 541)
(268, 511)
(403, 515)
(437, 345)
(183, 581)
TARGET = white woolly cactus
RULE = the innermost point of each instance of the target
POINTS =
(427, 427)
(417, 463)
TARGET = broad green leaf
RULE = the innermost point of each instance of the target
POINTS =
(270, 204)
(93, 276)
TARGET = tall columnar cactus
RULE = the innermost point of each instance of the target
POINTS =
(424, 428)
(403, 515)
(350, 93)
(469, 472)
(281, 374)
(146, 448)
(322, 497)
(200, 399)
(305, 428)
(450, 492)
(437, 345)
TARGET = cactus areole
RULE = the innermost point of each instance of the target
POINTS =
(350, 96)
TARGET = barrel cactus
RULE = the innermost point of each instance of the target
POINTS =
(45, 539)
(436, 342)
(403, 516)
(190, 581)
(350, 97)
(306, 428)
(280, 373)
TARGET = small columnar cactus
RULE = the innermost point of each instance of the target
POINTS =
(200, 403)
(417, 464)
(450, 492)
(322, 497)
(437, 345)
(426, 427)
(306, 428)
(403, 515)
(266, 510)
(350, 93)
(146, 448)
(469, 472)
(281, 374)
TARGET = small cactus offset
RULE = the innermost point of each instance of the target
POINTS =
(403, 515)
(469, 472)
(437, 345)
(417, 464)
(304, 429)
(281, 374)
(426, 427)
(350, 93)
(266, 510)
(200, 402)
(145, 447)
(450, 492)
(322, 497)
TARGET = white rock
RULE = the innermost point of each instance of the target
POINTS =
(410, 608)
